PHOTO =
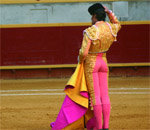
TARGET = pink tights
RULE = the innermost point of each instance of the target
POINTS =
(102, 101)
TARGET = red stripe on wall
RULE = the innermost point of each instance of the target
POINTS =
(60, 45)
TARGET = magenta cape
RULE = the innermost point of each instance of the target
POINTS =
(69, 113)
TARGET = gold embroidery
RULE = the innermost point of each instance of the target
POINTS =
(104, 40)
(89, 66)
(83, 47)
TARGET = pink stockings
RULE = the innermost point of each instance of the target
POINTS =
(106, 114)
(102, 102)
(98, 110)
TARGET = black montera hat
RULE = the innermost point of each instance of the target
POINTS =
(92, 9)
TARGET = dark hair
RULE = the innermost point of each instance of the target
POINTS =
(98, 10)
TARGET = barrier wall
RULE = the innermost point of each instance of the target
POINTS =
(60, 45)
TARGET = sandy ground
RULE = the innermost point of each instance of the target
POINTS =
(31, 104)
